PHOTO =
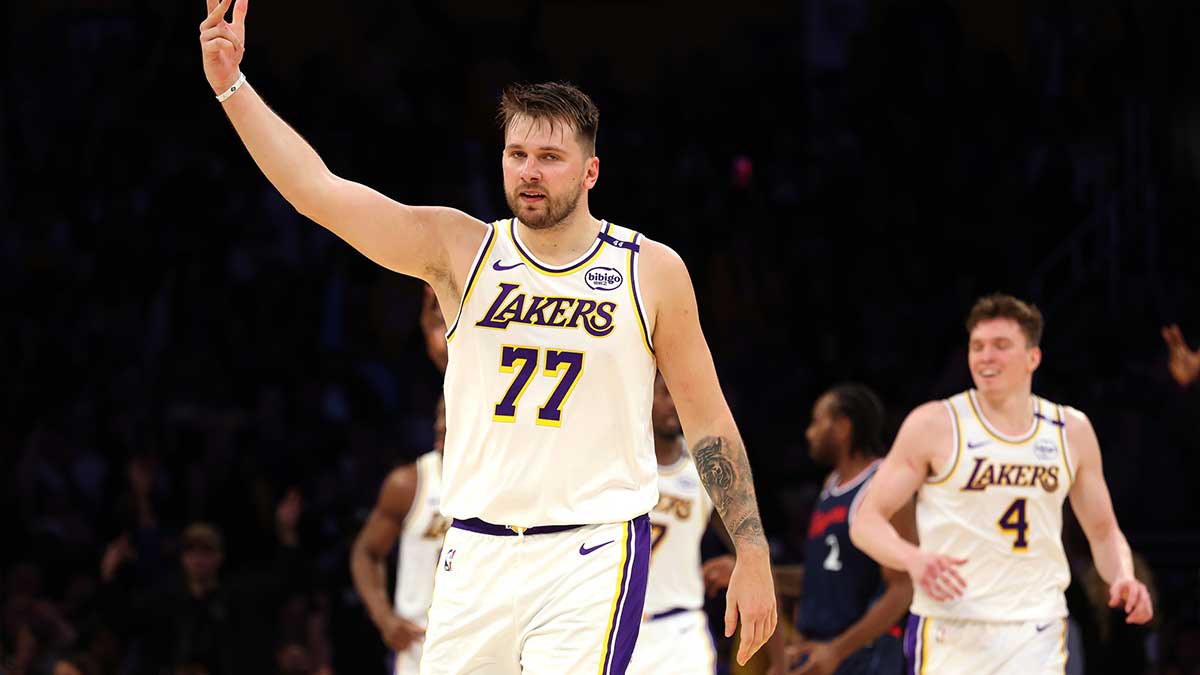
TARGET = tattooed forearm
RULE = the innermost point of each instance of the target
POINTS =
(725, 472)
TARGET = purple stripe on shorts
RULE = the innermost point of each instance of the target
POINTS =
(911, 630)
(629, 617)
(626, 566)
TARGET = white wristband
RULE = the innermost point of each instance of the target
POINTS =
(233, 89)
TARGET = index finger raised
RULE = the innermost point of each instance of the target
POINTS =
(216, 14)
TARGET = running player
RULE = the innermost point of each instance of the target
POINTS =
(407, 510)
(851, 606)
(562, 320)
(991, 468)
(674, 636)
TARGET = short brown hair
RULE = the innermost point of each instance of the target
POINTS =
(1003, 306)
(555, 102)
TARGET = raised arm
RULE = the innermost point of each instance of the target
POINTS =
(1093, 508)
(370, 552)
(925, 441)
(432, 243)
(687, 366)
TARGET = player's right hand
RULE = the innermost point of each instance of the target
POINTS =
(223, 43)
(399, 634)
(936, 575)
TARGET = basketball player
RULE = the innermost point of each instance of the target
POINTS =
(407, 509)
(561, 321)
(851, 606)
(991, 468)
(674, 636)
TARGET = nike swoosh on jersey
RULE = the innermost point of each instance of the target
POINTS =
(501, 268)
(1044, 627)
(584, 550)
(971, 445)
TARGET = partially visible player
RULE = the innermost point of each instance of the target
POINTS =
(851, 606)
(991, 468)
(406, 511)
(674, 636)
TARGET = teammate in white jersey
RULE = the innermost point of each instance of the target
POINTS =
(406, 512)
(991, 468)
(674, 636)
(562, 321)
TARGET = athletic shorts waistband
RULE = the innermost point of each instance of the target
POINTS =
(670, 612)
(483, 527)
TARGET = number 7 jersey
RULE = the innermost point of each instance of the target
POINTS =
(549, 386)
(998, 503)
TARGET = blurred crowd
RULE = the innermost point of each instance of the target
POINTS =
(204, 390)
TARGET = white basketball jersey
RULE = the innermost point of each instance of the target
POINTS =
(998, 503)
(421, 542)
(677, 524)
(549, 387)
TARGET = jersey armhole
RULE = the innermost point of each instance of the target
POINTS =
(858, 496)
(1061, 414)
(635, 293)
(485, 249)
(418, 497)
(952, 464)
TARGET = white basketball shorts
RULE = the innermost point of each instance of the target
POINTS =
(547, 601)
(676, 642)
(933, 645)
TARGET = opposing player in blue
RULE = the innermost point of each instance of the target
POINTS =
(851, 607)
(560, 320)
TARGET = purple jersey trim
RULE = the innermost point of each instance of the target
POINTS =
(613, 241)
(483, 527)
(484, 251)
(601, 238)
(634, 248)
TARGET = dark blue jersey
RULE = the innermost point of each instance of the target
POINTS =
(840, 581)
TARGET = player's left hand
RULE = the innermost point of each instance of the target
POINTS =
(717, 572)
(823, 658)
(1136, 598)
(751, 596)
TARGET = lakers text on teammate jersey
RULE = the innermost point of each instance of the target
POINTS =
(553, 312)
(985, 474)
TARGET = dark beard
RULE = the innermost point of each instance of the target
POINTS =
(557, 210)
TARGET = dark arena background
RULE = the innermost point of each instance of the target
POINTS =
(843, 178)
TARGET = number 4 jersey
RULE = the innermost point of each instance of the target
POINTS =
(998, 503)
(549, 386)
